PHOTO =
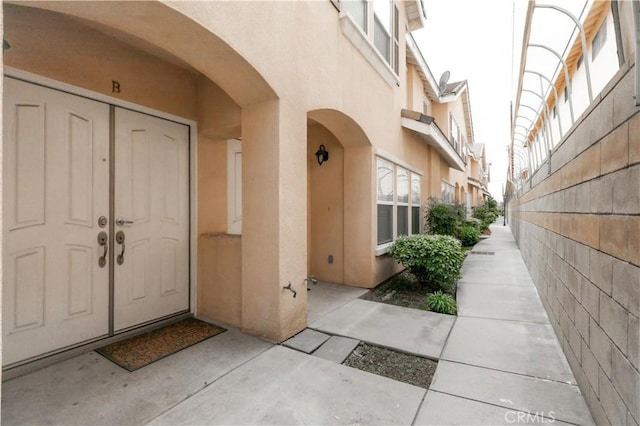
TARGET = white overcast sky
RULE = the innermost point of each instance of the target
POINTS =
(480, 41)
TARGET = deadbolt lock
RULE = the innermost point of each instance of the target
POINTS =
(102, 221)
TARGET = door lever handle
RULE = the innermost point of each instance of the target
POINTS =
(122, 221)
(120, 240)
(103, 240)
(120, 258)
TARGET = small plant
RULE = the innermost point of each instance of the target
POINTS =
(441, 302)
(435, 259)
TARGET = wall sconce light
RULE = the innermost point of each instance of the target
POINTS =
(322, 154)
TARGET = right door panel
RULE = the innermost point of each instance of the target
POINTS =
(151, 277)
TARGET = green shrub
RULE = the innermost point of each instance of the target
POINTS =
(441, 302)
(468, 235)
(443, 218)
(492, 204)
(433, 259)
(485, 215)
(473, 222)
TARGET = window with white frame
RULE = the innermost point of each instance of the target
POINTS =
(385, 201)
(415, 203)
(402, 201)
(398, 201)
(455, 133)
(448, 192)
(598, 40)
(464, 149)
(357, 9)
(234, 186)
(386, 31)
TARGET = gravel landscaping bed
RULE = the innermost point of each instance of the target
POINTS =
(401, 290)
(398, 366)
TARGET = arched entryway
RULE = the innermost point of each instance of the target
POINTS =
(340, 213)
(154, 60)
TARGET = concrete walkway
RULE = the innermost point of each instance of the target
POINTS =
(502, 363)
(499, 363)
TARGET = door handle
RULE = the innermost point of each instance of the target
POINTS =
(120, 240)
(122, 221)
(103, 240)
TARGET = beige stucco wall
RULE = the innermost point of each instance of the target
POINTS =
(326, 206)
(64, 50)
(220, 270)
(248, 77)
(60, 41)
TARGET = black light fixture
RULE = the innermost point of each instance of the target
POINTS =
(322, 154)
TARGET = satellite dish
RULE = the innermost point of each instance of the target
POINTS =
(443, 80)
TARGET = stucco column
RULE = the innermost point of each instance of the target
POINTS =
(359, 210)
(274, 233)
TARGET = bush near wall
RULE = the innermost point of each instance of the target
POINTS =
(450, 219)
(433, 259)
(486, 216)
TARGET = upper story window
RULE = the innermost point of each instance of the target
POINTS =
(357, 9)
(580, 60)
(386, 31)
(455, 134)
(447, 192)
(598, 40)
(380, 46)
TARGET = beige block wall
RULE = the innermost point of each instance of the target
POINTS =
(577, 225)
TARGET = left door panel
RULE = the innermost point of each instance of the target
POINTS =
(56, 186)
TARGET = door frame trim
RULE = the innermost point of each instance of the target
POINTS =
(193, 146)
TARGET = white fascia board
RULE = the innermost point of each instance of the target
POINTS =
(434, 137)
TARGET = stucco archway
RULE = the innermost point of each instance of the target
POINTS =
(161, 59)
(340, 204)
(161, 28)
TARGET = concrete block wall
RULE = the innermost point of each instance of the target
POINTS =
(577, 224)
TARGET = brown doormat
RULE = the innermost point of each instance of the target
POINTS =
(138, 351)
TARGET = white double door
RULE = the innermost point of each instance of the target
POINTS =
(67, 279)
